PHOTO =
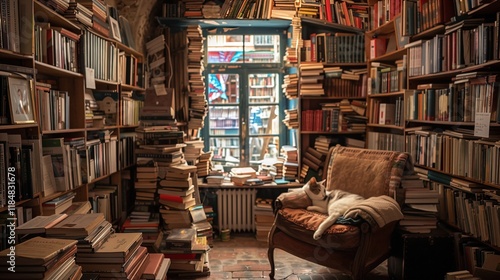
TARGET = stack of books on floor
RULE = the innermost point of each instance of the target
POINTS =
(144, 217)
(188, 254)
(121, 256)
(144, 222)
(90, 230)
(41, 258)
(264, 218)
(420, 205)
(201, 224)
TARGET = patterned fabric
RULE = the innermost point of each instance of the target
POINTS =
(365, 172)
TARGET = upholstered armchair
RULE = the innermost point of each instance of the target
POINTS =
(353, 246)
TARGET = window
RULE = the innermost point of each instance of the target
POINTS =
(245, 101)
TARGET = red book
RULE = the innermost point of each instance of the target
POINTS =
(153, 264)
(328, 11)
(174, 198)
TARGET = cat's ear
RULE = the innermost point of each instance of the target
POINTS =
(312, 180)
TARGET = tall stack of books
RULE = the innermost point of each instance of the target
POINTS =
(420, 205)
(121, 256)
(41, 258)
(198, 105)
(264, 218)
(177, 188)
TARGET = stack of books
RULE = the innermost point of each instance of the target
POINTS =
(193, 150)
(146, 180)
(201, 223)
(420, 205)
(39, 224)
(121, 256)
(90, 230)
(156, 267)
(198, 108)
(322, 144)
(59, 204)
(290, 163)
(311, 79)
(41, 258)
(176, 194)
(204, 164)
(313, 158)
(187, 253)
(264, 218)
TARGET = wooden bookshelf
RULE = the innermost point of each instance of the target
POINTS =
(66, 78)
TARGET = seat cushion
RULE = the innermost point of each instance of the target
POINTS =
(301, 224)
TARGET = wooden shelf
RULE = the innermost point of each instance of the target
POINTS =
(44, 68)
(389, 94)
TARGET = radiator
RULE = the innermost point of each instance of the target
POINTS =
(235, 209)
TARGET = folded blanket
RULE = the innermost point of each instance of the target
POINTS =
(376, 210)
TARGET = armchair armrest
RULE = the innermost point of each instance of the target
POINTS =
(293, 199)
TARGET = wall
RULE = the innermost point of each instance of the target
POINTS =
(142, 17)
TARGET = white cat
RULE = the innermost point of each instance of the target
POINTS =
(334, 203)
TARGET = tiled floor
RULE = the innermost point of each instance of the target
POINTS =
(243, 257)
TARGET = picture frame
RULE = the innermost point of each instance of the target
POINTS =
(115, 29)
(21, 100)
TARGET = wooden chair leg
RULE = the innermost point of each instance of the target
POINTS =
(270, 256)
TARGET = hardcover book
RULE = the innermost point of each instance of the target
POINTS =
(38, 250)
(180, 238)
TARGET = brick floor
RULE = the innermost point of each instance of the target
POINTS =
(245, 258)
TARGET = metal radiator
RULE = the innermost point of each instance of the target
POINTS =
(235, 209)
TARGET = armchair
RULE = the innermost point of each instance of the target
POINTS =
(352, 246)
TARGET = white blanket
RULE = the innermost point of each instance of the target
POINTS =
(376, 210)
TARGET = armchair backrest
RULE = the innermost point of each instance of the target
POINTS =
(363, 171)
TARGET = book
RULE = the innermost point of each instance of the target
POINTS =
(119, 245)
(40, 224)
(153, 265)
(180, 238)
(76, 225)
(38, 250)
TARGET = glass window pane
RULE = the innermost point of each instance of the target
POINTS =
(263, 49)
(263, 147)
(225, 150)
(224, 120)
(223, 88)
(263, 88)
(264, 119)
(225, 49)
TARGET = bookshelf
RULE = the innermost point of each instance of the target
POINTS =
(51, 62)
(387, 80)
(451, 62)
(331, 74)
